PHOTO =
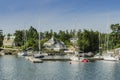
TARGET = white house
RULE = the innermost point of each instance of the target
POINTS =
(54, 44)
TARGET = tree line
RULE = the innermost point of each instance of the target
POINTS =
(87, 40)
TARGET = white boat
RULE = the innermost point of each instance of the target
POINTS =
(110, 57)
(23, 53)
(79, 59)
(38, 55)
(75, 58)
(98, 56)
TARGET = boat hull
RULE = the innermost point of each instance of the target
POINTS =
(22, 54)
(38, 56)
(111, 58)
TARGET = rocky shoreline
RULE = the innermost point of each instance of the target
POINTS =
(8, 51)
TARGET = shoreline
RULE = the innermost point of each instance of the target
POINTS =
(11, 51)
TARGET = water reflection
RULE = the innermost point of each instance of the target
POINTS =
(17, 68)
(110, 70)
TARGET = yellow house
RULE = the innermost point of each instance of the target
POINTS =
(8, 41)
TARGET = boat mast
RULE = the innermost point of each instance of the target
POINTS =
(24, 37)
(107, 42)
(99, 42)
(107, 34)
(39, 43)
(75, 42)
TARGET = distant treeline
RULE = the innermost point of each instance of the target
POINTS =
(87, 40)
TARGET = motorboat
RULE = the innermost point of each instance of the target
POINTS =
(38, 55)
(109, 56)
(75, 58)
(98, 57)
(23, 53)
(79, 59)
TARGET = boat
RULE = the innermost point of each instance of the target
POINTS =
(23, 53)
(98, 57)
(110, 57)
(78, 55)
(39, 54)
(77, 58)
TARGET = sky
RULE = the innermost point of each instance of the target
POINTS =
(58, 14)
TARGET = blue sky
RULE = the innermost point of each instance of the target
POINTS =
(58, 14)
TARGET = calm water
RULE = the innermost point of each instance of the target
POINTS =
(14, 68)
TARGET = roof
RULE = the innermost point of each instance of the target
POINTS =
(50, 41)
(54, 43)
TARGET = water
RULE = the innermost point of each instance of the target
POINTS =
(18, 68)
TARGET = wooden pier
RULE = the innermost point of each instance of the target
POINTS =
(56, 58)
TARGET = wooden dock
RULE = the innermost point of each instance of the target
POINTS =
(55, 58)
(34, 60)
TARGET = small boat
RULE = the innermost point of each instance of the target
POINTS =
(23, 53)
(111, 58)
(38, 55)
(79, 59)
(98, 57)
(75, 58)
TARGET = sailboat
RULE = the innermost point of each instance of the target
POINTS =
(110, 58)
(76, 56)
(23, 53)
(39, 54)
(98, 55)
(109, 55)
